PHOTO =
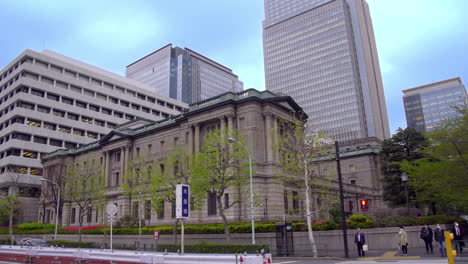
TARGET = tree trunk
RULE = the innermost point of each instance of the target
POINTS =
(309, 218)
(80, 220)
(223, 216)
(10, 222)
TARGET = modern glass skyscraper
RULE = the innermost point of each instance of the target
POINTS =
(323, 54)
(183, 74)
(429, 105)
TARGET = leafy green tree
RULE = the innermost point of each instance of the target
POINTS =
(84, 188)
(9, 197)
(440, 179)
(178, 167)
(406, 145)
(300, 154)
(136, 184)
(225, 165)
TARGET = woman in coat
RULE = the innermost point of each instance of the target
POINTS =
(403, 241)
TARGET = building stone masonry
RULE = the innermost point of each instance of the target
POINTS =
(252, 114)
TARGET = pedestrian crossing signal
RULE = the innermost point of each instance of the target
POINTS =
(364, 205)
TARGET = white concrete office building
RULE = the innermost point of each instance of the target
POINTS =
(49, 101)
(323, 54)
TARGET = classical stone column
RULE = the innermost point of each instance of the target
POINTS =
(197, 137)
(268, 137)
(106, 168)
(122, 165)
(275, 140)
(230, 123)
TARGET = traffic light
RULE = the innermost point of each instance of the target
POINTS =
(364, 205)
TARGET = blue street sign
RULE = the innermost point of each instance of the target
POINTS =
(182, 201)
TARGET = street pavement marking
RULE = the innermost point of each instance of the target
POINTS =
(285, 262)
(390, 255)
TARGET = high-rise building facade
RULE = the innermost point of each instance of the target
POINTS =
(429, 105)
(49, 101)
(323, 54)
(183, 74)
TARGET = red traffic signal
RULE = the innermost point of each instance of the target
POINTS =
(364, 205)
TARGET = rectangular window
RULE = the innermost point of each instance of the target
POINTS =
(148, 210)
(33, 122)
(43, 109)
(26, 105)
(55, 142)
(37, 92)
(118, 114)
(86, 119)
(161, 210)
(81, 104)
(70, 144)
(92, 135)
(78, 132)
(66, 100)
(285, 201)
(73, 215)
(50, 126)
(89, 215)
(295, 201)
(211, 204)
(173, 210)
(106, 111)
(65, 129)
(99, 123)
(94, 108)
(124, 103)
(59, 113)
(226, 200)
(72, 116)
(40, 140)
(53, 97)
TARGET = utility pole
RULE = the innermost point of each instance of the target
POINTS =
(343, 214)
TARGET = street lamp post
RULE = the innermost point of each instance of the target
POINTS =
(404, 179)
(232, 140)
(58, 206)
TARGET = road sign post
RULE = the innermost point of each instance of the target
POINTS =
(182, 209)
(156, 238)
(111, 210)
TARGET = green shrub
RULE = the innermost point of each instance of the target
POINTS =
(32, 226)
(395, 220)
(71, 244)
(129, 221)
(361, 221)
(208, 247)
(6, 241)
(439, 219)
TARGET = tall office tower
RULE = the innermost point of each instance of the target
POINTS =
(183, 74)
(429, 105)
(49, 101)
(323, 54)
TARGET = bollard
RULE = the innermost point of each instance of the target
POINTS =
(451, 253)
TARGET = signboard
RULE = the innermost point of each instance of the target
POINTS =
(182, 201)
(156, 234)
(111, 209)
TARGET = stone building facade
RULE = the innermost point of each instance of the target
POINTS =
(254, 115)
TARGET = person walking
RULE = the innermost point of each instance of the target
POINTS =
(440, 238)
(427, 235)
(360, 240)
(458, 238)
(403, 241)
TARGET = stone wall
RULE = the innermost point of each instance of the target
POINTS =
(327, 241)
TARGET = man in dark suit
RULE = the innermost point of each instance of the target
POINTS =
(457, 238)
(360, 240)
(427, 235)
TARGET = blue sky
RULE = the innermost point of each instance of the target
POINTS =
(419, 41)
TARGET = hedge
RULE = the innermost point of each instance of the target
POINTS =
(6, 241)
(353, 221)
(208, 247)
(71, 244)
